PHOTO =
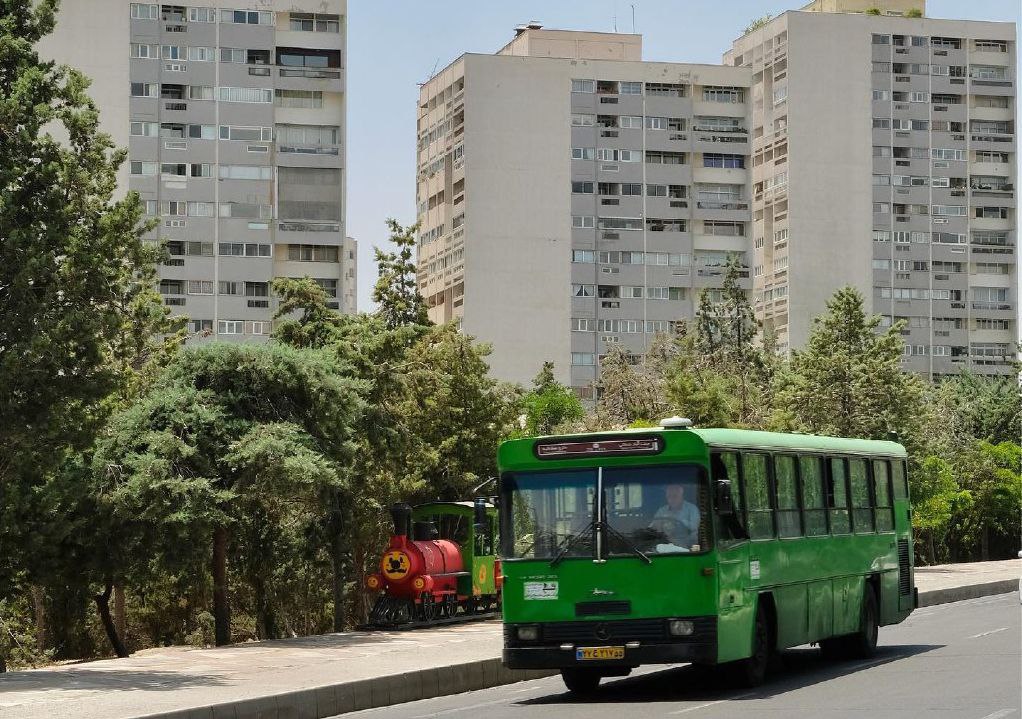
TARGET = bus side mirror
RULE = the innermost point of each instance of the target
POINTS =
(725, 505)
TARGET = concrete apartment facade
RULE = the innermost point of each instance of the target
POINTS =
(571, 195)
(883, 156)
(234, 119)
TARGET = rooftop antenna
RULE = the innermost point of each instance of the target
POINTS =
(431, 73)
(615, 16)
(633, 18)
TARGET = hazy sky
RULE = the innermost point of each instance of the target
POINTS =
(395, 44)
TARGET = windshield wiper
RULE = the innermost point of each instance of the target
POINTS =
(569, 542)
(628, 543)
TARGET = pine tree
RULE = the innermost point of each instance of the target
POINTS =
(848, 380)
(77, 306)
(396, 291)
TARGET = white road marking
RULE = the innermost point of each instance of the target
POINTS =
(999, 714)
(710, 704)
(462, 709)
(983, 634)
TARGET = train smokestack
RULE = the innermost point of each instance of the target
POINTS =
(401, 513)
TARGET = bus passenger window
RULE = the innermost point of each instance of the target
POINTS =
(862, 507)
(882, 492)
(837, 497)
(898, 475)
(760, 510)
(789, 519)
(813, 498)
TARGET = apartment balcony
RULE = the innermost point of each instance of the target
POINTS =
(720, 243)
(995, 141)
(737, 210)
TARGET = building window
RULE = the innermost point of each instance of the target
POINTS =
(250, 94)
(145, 129)
(713, 159)
(583, 256)
(579, 187)
(583, 221)
(201, 54)
(201, 14)
(630, 88)
(144, 11)
(583, 359)
(145, 52)
(586, 86)
(309, 22)
(583, 153)
(579, 119)
(303, 99)
(583, 290)
(200, 287)
(246, 17)
(312, 253)
(144, 89)
(230, 327)
(723, 94)
(143, 168)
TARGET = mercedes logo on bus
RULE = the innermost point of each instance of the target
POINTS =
(602, 631)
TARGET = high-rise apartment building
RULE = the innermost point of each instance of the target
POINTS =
(234, 118)
(571, 195)
(884, 156)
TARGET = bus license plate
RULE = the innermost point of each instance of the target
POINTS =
(598, 653)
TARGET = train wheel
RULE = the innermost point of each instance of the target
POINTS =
(427, 607)
(403, 612)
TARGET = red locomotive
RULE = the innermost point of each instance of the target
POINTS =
(440, 564)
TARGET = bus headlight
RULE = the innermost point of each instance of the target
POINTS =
(680, 627)
(528, 632)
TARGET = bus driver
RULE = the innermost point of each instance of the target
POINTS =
(678, 519)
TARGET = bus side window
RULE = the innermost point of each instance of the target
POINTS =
(898, 477)
(862, 507)
(882, 493)
(837, 496)
(813, 496)
(759, 508)
(789, 519)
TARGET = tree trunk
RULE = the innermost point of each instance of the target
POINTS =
(39, 607)
(120, 612)
(103, 605)
(221, 607)
(337, 558)
(266, 622)
(984, 543)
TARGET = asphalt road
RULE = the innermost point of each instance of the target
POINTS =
(947, 661)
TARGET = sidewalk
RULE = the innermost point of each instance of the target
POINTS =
(320, 676)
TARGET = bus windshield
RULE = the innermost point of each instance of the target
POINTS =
(654, 510)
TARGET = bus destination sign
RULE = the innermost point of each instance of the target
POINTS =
(599, 448)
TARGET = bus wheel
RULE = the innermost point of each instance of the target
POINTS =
(863, 643)
(581, 681)
(752, 672)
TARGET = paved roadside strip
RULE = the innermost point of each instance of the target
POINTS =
(316, 677)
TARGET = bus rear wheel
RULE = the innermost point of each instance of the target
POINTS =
(863, 643)
(581, 681)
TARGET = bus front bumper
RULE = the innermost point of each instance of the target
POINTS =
(557, 658)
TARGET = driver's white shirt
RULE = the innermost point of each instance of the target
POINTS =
(687, 517)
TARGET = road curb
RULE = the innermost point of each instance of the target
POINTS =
(970, 591)
(343, 697)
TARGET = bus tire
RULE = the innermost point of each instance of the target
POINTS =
(751, 672)
(863, 643)
(581, 681)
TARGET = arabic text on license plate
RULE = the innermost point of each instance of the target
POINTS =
(597, 653)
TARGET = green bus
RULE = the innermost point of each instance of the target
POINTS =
(711, 546)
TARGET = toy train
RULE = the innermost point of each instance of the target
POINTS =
(440, 565)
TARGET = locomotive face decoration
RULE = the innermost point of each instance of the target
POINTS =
(395, 565)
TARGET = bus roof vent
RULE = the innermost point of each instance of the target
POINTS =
(676, 422)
